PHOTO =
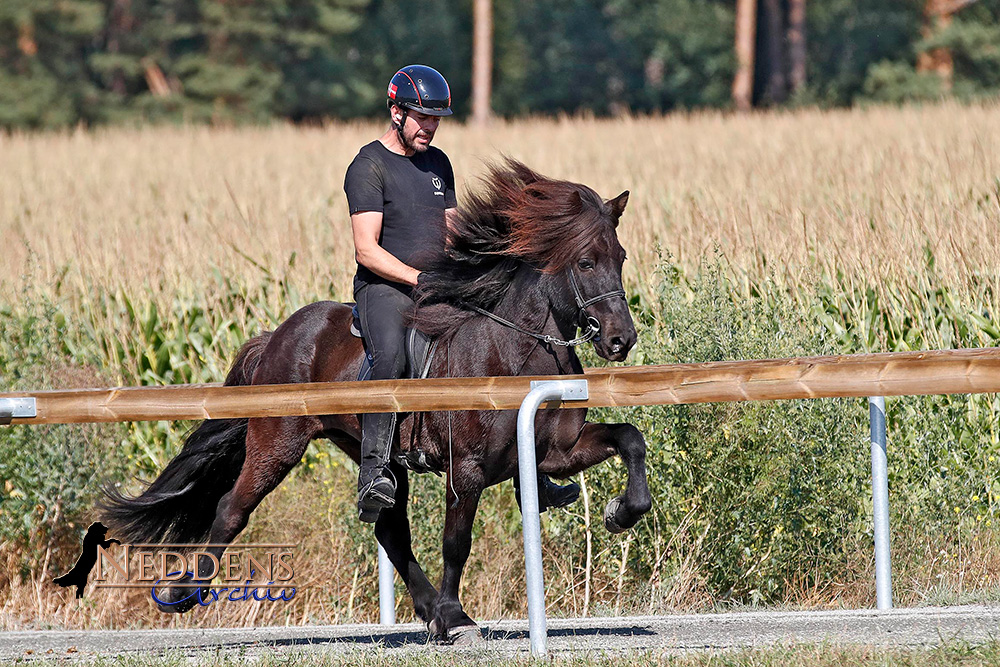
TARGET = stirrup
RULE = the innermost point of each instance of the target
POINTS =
(377, 495)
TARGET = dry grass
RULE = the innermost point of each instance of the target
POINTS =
(860, 191)
(336, 574)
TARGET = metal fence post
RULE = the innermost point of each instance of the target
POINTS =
(16, 407)
(541, 392)
(880, 503)
(386, 592)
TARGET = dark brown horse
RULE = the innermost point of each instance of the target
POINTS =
(530, 260)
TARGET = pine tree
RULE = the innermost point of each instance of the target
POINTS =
(44, 45)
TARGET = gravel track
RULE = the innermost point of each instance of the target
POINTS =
(926, 626)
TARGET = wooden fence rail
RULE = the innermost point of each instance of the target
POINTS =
(889, 374)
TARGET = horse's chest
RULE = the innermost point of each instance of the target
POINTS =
(490, 437)
(435, 440)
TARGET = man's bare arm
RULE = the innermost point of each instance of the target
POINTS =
(366, 227)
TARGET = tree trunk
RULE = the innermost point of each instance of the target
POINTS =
(937, 17)
(482, 60)
(119, 24)
(796, 45)
(746, 33)
(776, 87)
(26, 39)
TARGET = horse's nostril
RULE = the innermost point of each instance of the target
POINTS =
(617, 343)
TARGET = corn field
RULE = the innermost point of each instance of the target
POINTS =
(147, 256)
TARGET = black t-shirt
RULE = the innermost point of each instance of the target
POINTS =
(411, 192)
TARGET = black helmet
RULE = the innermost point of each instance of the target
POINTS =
(422, 89)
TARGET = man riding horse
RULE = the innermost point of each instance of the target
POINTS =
(530, 262)
(401, 194)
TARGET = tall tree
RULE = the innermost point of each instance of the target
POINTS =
(396, 33)
(775, 79)
(44, 46)
(482, 60)
(796, 45)
(746, 35)
(938, 59)
(673, 53)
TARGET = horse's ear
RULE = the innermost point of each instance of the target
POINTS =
(618, 206)
(575, 202)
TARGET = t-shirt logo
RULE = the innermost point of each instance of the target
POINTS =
(436, 182)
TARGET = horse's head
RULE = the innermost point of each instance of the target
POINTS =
(590, 283)
(570, 233)
(523, 220)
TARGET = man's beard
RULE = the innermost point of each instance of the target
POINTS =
(411, 144)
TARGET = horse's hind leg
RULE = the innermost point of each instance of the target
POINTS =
(274, 445)
(393, 532)
(596, 443)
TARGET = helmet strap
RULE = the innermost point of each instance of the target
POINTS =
(401, 123)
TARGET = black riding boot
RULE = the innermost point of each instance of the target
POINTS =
(376, 485)
(550, 494)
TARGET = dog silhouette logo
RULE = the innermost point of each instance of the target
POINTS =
(85, 563)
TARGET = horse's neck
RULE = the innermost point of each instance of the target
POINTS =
(526, 304)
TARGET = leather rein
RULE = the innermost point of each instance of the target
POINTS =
(593, 326)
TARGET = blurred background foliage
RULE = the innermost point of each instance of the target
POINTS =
(64, 62)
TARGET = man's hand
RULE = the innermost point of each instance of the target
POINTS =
(422, 279)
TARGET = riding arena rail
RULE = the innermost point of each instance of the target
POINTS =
(864, 375)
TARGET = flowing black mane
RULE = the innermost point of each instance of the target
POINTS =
(517, 217)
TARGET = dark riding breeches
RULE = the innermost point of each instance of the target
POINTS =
(382, 309)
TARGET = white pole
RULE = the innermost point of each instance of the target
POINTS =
(531, 524)
(386, 592)
(880, 503)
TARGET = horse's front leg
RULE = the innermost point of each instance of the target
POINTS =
(450, 622)
(393, 532)
(596, 443)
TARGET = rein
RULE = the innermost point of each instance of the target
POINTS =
(592, 323)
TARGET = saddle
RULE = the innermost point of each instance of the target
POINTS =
(419, 355)
(419, 350)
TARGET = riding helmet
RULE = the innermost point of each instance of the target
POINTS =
(422, 89)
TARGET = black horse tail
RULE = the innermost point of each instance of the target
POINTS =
(179, 506)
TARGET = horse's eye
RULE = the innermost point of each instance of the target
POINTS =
(586, 265)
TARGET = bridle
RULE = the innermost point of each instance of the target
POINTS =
(585, 321)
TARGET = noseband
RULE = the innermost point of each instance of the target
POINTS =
(585, 321)
(592, 323)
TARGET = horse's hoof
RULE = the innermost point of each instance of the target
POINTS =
(469, 635)
(169, 605)
(610, 520)
(434, 633)
(179, 608)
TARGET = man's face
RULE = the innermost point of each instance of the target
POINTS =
(419, 129)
